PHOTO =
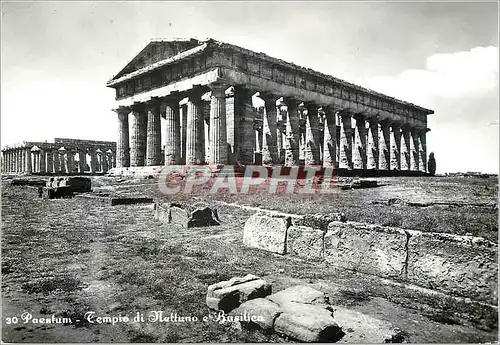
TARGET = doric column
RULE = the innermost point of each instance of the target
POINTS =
(372, 154)
(195, 150)
(27, 162)
(395, 141)
(11, 160)
(405, 148)
(218, 138)
(345, 159)
(43, 158)
(183, 111)
(205, 106)
(153, 140)
(414, 150)
(104, 162)
(269, 125)
(63, 159)
(122, 143)
(329, 137)
(82, 156)
(312, 142)
(93, 161)
(138, 136)
(292, 132)
(36, 161)
(71, 160)
(244, 116)
(49, 164)
(359, 151)
(56, 160)
(172, 131)
(422, 134)
(23, 160)
(384, 157)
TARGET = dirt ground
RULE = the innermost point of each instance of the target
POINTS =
(68, 257)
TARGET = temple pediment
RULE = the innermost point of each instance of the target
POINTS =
(157, 50)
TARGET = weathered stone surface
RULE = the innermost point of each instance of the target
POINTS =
(356, 184)
(461, 265)
(310, 327)
(76, 184)
(366, 248)
(301, 294)
(304, 241)
(203, 216)
(263, 310)
(361, 328)
(178, 215)
(318, 220)
(228, 295)
(265, 232)
(188, 217)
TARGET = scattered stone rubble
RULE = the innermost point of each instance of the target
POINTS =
(300, 313)
(187, 216)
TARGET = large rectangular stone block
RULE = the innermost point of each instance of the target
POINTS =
(266, 232)
(461, 265)
(304, 241)
(366, 248)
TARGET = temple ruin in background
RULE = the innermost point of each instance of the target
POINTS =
(63, 156)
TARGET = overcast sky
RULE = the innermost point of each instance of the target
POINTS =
(57, 57)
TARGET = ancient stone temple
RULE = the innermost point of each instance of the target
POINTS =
(63, 156)
(197, 97)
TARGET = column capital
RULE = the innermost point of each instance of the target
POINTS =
(345, 113)
(122, 111)
(218, 88)
(153, 103)
(138, 107)
(268, 96)
(359, 116)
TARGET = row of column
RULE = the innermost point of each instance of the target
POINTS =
(302, 133)
(37, 160)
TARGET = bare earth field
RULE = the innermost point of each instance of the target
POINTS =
(69, 256)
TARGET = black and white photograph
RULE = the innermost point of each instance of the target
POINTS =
(249, 171)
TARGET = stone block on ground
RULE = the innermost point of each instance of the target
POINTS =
(77, 184)
(366, 248)
(364, 184)
(308, 327)
(228, 295)
(196, 215)
(305, 242)
(460, 265)
(262, 311)
(360, 328)
(266, 232)
(318, 220)
(300, 294)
